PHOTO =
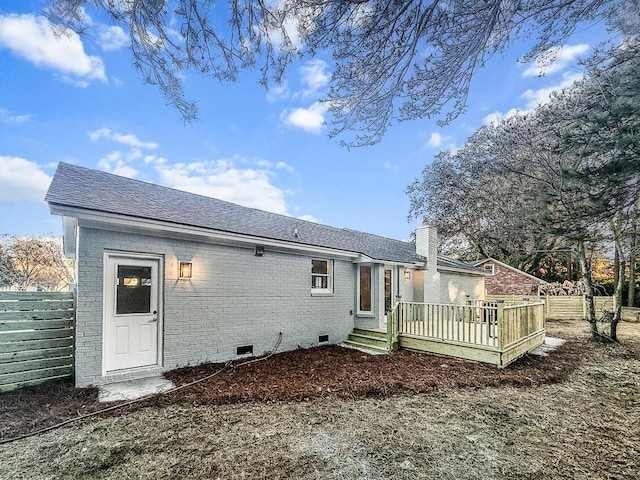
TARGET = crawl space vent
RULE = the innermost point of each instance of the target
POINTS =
(323, 338)
(244, 350)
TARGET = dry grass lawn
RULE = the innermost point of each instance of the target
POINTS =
(583, 424)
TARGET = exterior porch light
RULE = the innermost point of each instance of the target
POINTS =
(185, 270)
(407, 275)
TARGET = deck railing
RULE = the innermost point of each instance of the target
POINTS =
(495, 325)
(519, 321)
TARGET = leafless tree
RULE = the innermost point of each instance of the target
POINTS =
(393, 60)
(35, 262)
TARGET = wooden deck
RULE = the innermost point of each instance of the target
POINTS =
(492, 332)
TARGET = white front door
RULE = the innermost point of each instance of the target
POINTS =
(132, 304)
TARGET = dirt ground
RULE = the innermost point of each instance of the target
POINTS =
(337, 413)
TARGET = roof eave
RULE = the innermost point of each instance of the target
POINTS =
(104, 220)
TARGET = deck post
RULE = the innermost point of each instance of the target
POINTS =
(500, 324)
(389, 330)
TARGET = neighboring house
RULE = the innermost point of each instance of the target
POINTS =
(167, 278)
(503, 279)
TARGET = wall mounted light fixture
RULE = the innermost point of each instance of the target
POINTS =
(259, 251)
(186, 269)
(407, 275)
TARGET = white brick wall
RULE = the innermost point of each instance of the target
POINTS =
(234, 298)
(454, 287)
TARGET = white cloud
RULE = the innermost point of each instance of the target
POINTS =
(261, 162)
(391, 166)
(543, 95)
(285, 166)
(33, 39)
(112, 37)
(497, 116)
(7, 117)
(278, 92)
(118, 163)
(121, 163)
(435, 140)
(221, 179)
(443, 142)
(310, 119)
(535, 98)
(555, 60)
(309, 218)
(314, 76)
(124, 138)
(22, 180)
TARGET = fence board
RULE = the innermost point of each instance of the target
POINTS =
(39, 344)
(30, 365)
(11, 337)
(44, 315)
(35, 324)
(631, 314)
(36, 337)
(36, 295)
(12, 381)
(63, 351)
(35, 305)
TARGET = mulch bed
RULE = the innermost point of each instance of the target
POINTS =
(329, 372)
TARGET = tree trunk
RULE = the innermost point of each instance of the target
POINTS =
(585, 270)
(617, 293)
(632, 270)
(616, 267)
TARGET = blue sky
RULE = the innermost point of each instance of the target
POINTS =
(79, 100)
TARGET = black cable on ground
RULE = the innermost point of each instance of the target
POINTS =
(227, 366)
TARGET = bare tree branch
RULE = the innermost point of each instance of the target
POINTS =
(393, 60)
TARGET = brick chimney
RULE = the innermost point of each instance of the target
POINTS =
(427, 245)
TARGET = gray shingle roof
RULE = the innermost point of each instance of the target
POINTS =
(80, 187)
(457, 264)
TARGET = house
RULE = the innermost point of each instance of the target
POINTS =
(167, 278)
(503, 279)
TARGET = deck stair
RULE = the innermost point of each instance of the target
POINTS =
(368, 339)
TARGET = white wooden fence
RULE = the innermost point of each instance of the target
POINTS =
(572, 307)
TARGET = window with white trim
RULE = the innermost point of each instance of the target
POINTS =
(490, 269)
(321, 276)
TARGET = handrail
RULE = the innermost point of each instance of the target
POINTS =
(522, 304)
(448, 305)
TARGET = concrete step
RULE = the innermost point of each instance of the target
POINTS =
(368, 340)
(382, 334)
(364, 347)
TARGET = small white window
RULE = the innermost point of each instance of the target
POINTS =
(321, 276)
(489, 268)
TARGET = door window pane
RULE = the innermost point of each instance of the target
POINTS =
(365, 288)
(133, 289)
(387, 290)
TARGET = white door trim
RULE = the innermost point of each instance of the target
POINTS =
(113, 254)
